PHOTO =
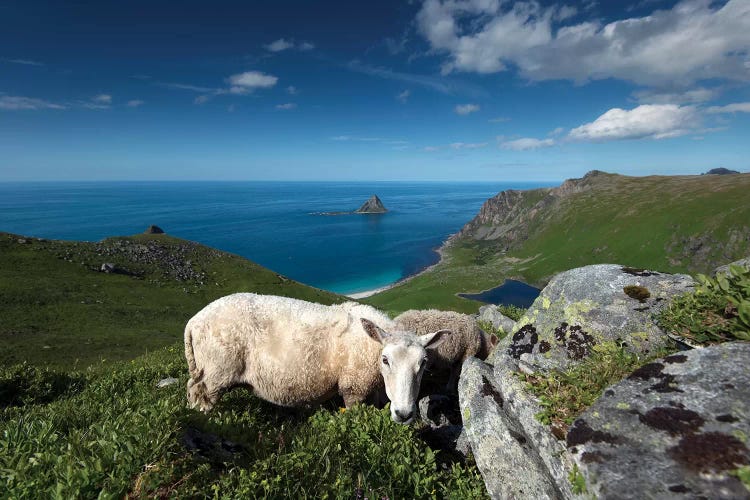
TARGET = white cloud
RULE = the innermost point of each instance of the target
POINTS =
(556, 132)
(102, 99)
(499, 119)
(244, 83)
(25, 62)
(283, 44)
(341, 138)
(135, 103)
(184, 86)
(437, 83)
(467, 145)
(691, 96)
(526, 143)
(202, 99)
(430, 149)
(292, 90)
(737, 107)
(279, 45)
(694, 40)
(403, 97)
(287, 105)
(465, 109)
(16, 103)
(647, 121)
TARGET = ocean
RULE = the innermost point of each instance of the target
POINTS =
(276, 224)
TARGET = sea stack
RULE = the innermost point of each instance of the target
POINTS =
(153, 230)
(372, 206)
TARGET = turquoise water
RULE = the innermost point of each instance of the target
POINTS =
(271, 223)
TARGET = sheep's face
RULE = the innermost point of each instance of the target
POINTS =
(402, 363)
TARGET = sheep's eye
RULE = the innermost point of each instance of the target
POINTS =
(385, 361)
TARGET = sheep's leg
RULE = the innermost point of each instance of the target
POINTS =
(452, 386)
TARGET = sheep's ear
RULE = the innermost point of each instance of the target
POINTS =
(373, 330)
(432, 340)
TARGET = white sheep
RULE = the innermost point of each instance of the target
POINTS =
(467, 340)
(291, 352)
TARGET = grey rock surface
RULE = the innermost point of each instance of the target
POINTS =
(512, 453)
(166, 382)
(108, 267)
(583, 307)
(675, 428)
(725, 268)
(490, 314)
(372, 206)
(152, 229)
(435, 410)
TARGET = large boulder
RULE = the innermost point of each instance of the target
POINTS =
(490, 314)
(675, 428)
(517, 455)
(590, 305)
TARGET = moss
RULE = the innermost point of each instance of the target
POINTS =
(637, 292)
(743, 474)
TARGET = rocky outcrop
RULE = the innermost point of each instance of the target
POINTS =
(638, 441)
(725, 268)
(153, 230)
(676, 427)
(590, 305)
(489, 314)
(372, 206)
(517, 456)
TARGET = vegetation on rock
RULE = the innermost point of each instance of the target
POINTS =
(717, 311)
(563, 395)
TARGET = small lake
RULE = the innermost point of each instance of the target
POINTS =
(512, 292)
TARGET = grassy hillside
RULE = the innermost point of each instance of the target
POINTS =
(107, 431)
(668, 223)
(59, 309)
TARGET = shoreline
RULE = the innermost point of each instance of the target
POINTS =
(369, 293)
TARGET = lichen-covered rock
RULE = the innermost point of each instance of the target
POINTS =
(490, 314)
(675, 428)
(517, 456)
(590, 305)
(725, 269)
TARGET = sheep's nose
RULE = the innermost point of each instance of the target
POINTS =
(403, 415)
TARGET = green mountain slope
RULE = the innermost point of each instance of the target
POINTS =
(59, 309)
(668, 223)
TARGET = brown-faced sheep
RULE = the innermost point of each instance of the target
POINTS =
(291, 352)
(466, 340)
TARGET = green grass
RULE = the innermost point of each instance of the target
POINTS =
(57, 309)
(108, 432)
(667, 223)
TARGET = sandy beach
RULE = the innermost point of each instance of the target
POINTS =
(368, 293)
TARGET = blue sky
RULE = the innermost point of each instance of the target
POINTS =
(435, 90)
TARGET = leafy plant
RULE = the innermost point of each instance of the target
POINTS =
(513, 312)
(717, 311)
(115, 434)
